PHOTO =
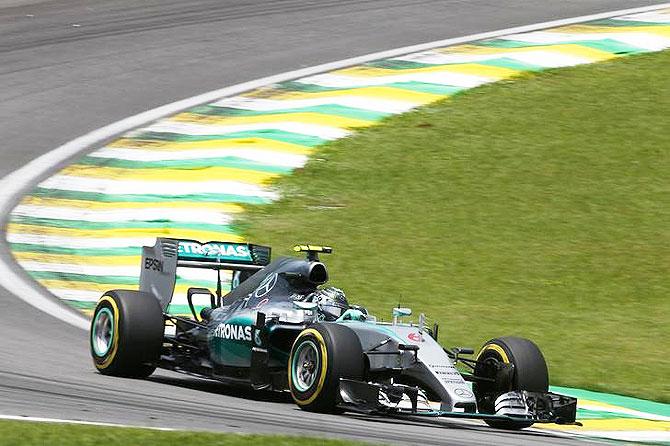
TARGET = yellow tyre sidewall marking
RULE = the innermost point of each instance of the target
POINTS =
(496, 348)
(115, 337)
(324, 366)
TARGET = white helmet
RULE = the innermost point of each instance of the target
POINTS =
(331, 302)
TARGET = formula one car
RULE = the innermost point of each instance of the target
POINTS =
(278, 328)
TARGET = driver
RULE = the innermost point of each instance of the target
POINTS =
(331, 302)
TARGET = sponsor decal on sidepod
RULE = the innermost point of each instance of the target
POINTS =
(232, 331)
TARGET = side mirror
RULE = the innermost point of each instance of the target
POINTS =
(198, 292)
(401, 312)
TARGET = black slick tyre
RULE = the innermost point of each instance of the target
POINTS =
(320, 356)
(126, 334)
(529, 372)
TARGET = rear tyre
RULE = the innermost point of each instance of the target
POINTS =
(320, 356)
(126, 333)
(529, 372)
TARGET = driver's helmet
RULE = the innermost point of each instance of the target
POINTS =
(331, 302)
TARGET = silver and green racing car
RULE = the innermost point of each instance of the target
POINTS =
(280, 327)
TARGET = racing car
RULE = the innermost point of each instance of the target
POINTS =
(279, 327)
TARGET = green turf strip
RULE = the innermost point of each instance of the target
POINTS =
(41, 192)
(115, 280)
(504, 43)
(84, 252)
(641, 405)
(502, 62)
(184, 309)
(175, 310)
(326, 109)
(72, 277)
(395, 64)
(289, 86)
(619, 22)
(423, 87)
(512, 64)
(274, 135)
(583, 414)
(420, 87)
(158, 224)
(607, 45)
(80, 304)
(24, 433)
(612, 46)
(187, 164)
(536, 208)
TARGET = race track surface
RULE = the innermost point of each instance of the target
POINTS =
(68, 67)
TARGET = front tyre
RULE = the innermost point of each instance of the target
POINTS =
(528, 372)
(126, 333)
(320, 356)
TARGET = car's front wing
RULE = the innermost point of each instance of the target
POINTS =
(373, 398)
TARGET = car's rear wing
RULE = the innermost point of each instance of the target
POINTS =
(222, 255)
(160, 262)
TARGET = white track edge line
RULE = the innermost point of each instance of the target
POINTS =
(14, 183)
(81, 422)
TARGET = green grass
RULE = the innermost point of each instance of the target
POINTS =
(22, 433)
(538, 207)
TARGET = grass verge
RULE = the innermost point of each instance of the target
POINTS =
(23, 433)
(538, 207)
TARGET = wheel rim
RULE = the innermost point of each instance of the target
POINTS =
(305, 366)
(103, 332)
